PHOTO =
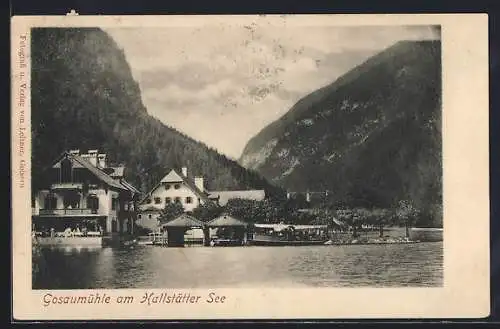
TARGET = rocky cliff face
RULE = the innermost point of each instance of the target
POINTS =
(372, 137)
(84, 97)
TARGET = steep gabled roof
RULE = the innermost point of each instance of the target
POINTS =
(226, 220)
(101, 175)
(129, 186)
(97, 172)
(183, 220)
(118, 172)
(174, 177)
(189, 182)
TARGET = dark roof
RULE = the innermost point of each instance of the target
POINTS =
(117, 171)
(226, 220)
(129, 186)
(183, 220)
(97, 172)
(100, 174)
(192, 185)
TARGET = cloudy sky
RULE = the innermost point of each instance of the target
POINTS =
(222, 84)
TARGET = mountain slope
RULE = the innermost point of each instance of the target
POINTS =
(84, 96)
(372, 137)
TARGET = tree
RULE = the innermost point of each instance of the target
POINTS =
(381, 218)
(207, 211)
(171, 211)
(248, 210)
(431, 216)
(264, 211)
(351, 218)
(407, 213)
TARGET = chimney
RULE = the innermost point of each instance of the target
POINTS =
(74, 152)
(185, 171)
(92, 157)
(198, 181)
(101, 160)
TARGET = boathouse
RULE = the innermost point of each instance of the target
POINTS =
(228, 231)
(176, 230)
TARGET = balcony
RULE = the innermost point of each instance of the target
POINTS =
(68, 212)
(67, 186)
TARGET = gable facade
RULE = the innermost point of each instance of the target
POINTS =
(173, 188)
(77, 189)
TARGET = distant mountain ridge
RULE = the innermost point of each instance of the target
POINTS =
(372, 137)
(84, 96)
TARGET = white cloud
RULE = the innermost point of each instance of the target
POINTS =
(221, 84)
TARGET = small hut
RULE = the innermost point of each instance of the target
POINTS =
(230, 230)
(177, 227)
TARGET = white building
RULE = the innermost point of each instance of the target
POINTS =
(173, 188)
(188, 191)
(82, 193)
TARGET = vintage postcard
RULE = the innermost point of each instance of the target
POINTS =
(250, 167)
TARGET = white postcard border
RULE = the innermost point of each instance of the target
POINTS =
(466, 194)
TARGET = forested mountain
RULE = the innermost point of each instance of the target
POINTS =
(371, 138)
(84, 97)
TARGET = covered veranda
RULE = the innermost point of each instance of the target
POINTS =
(69, 226)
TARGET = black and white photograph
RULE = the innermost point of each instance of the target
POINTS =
(247, 154)
(289, 156)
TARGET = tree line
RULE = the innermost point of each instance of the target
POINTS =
(289, 211)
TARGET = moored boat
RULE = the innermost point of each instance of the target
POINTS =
(288, 235)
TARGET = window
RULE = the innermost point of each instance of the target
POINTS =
(157, 200)
(71, 201)
(168, 200)
(149, 216)
(177, 200)
(167, 186)
(50, 202)
(177, 186)
(92, 202)
(139, 216)
(148, 201)
(66, 171)
(189, 199)
(113, 203)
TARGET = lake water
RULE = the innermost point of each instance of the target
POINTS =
(416, 265)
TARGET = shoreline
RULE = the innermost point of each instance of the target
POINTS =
(372, 243)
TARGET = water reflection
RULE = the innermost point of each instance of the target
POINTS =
(320, 266)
